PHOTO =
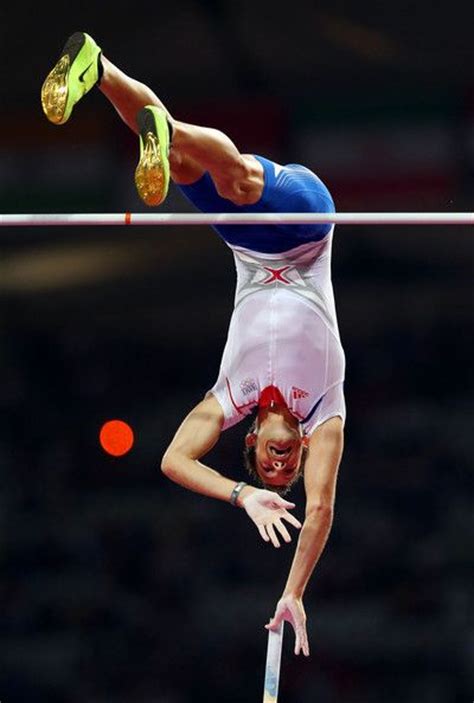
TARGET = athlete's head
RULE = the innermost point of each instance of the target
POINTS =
(275, 450)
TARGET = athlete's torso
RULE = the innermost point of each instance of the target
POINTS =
(284, 333)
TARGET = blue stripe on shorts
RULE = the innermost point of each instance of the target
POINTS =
(291, 188)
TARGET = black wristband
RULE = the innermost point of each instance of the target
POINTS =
(236, 492)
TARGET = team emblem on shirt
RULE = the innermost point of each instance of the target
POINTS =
(248, 385)
(276, 275)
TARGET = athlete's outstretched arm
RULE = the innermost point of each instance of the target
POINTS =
(197, 435)
(321, 469)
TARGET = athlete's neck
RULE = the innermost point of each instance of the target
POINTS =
(277, 415)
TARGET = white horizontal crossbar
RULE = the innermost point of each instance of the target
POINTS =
(285, 218)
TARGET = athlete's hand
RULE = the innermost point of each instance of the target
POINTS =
(268, 510)
(291, 609)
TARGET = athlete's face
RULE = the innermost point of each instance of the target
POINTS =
(278, 451)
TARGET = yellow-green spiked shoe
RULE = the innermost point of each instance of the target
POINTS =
(152, 175)
(76, 71)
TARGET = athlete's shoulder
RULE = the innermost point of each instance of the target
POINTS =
(209, 407)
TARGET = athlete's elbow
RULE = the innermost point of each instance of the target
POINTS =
(321, 512)
(169, 465)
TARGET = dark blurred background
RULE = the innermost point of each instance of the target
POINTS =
(116, 585)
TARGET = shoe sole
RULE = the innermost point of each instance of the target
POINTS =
(151, 173)
(55, 89)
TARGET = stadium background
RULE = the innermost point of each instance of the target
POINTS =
(117, 586)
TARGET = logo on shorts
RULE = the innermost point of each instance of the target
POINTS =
(298, 393)
(248, 385)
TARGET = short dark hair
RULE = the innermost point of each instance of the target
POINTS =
(250, 461)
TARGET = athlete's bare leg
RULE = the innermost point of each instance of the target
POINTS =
(194, 150)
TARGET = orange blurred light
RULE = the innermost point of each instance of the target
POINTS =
(116, 437)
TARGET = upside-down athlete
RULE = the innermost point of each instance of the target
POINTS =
(283, 357)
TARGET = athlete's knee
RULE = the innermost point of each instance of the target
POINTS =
(230, 176)
(231, 166)
(239, 182)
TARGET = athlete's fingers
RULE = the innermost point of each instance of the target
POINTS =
(303, 642)
(282, 530)
(275, 621)
(298, 640)
(272, 535)
(281, 614)
(291, 519)
(263, 533)
(286, 504)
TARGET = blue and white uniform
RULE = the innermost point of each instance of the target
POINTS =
(283, 331)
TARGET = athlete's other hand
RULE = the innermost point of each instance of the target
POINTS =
(268, 510)
(291, 609)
